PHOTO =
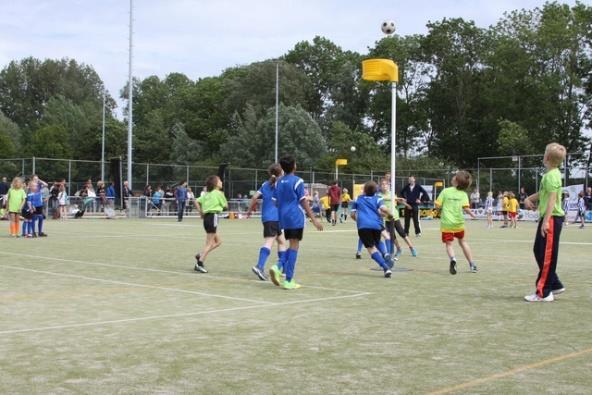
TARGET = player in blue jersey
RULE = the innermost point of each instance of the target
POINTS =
(271, 223)
(292, 205)
(35, 207)
(38, 215)
(367, 211)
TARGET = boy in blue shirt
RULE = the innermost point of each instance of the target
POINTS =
(291, 200)
(367, 211)
(271, 223)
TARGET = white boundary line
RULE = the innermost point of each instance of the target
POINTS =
(145, 269)
(181, 315)
(58, 274)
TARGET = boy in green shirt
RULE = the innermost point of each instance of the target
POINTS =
(452, 202)
(546, 242)
(209, 205)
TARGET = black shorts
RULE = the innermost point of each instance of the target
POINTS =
(39, 210)
(292, 234)
(271, 229)
(334, 207)
(397, 226)
(210, 222)
(344, 205)
(370, 237)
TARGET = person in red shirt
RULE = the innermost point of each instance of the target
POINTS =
(335, 201)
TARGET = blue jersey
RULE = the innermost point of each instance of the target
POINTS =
(269, 210)
(181, 194)
(289, 192)
(367, 209)
(35, 198)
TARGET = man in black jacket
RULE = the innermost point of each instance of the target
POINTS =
(414, 194)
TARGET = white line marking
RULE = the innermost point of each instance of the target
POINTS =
(146, 269)
(180, 315)
(134, 284)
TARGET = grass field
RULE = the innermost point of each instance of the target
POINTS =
(115, 307)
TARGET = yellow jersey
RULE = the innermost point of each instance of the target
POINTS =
(345, 198)
(513, 205)
(325, 202)
(506, 204)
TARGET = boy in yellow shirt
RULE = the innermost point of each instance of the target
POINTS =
(513, 210)
(551, 214)
(326, 206)
(345, 199)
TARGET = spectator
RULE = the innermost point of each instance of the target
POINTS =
(588, 198)
(4, 187)
(334, 200)
(156, 199)
(475, 199)
(126, 193)
(414, 194)
(168, 199)
(181, 198)
(62, 199)
(101, 194)
(110, 194)
(92, 196)
(316, 203)
(190, 199)
(522, 196)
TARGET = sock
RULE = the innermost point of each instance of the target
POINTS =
(378, 259)
(382, 248)
(32, 224)
(16, 227)
(25, 227)
(281, 259)
(40, 223)
(263, 254)
(453, 258)
(360, 246)
(291, 264)
(389, 246)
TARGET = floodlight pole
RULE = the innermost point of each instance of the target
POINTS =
(277, 110)
(129, 104)
(103, 142)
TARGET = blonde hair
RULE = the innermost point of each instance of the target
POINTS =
(490, 194)
(555, 154)
(17, 183)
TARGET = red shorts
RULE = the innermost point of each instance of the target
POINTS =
(449, 236)
(512, 215)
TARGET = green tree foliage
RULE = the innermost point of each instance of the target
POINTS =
(252, 138)
(9, 137)
(513, 138)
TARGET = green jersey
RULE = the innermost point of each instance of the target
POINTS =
(16, 197)
(386, 197)
(212, 202)
(551, 182)
(452, 201)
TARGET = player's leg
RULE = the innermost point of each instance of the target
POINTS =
(371, 239)
(359, 249)
(275, 272)
(264, 253)
(293, 236)
(467, 253)
(408, 213)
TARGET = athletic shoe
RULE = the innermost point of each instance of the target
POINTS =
(41, 234)
(558, 291)
(398, 253)
(453, 267)
(473, 267)
(34, 235)
(581, 226)
(358, 255)
(413, 251)
(537, 298)
(387, 273)
(259, 273)
(200, 268)
(276, 275)
(418, 235)
(290, 284)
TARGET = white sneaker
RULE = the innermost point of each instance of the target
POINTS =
(558, 291)
(537, 298)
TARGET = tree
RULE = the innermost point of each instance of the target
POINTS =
(513, 138)
(252, 139)
(9, 137)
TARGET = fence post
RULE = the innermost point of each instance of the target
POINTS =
(519, 171)
(147, 173)
(491, 179)
(187, 174)
(23, 168)
(371, 175)
(256, 179)
(33, 172)
(69, 177)
(478, 174)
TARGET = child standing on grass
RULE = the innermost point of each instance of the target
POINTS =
(581, 215)
(394, 224)
(345, 199)
(546, 242)
(271, 223)
(367, 211)
(16, 199)
(291, 202)
(209, 205)
(489, 209)
(513, 210)
(452, 202)
(63, 201)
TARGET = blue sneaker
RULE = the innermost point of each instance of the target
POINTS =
(398, 253)
(389, 261)
(413, 252)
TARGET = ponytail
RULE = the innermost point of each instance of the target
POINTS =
(274, 172)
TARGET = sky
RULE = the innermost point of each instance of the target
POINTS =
(201, 38)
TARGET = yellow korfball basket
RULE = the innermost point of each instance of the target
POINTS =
(380, 70)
